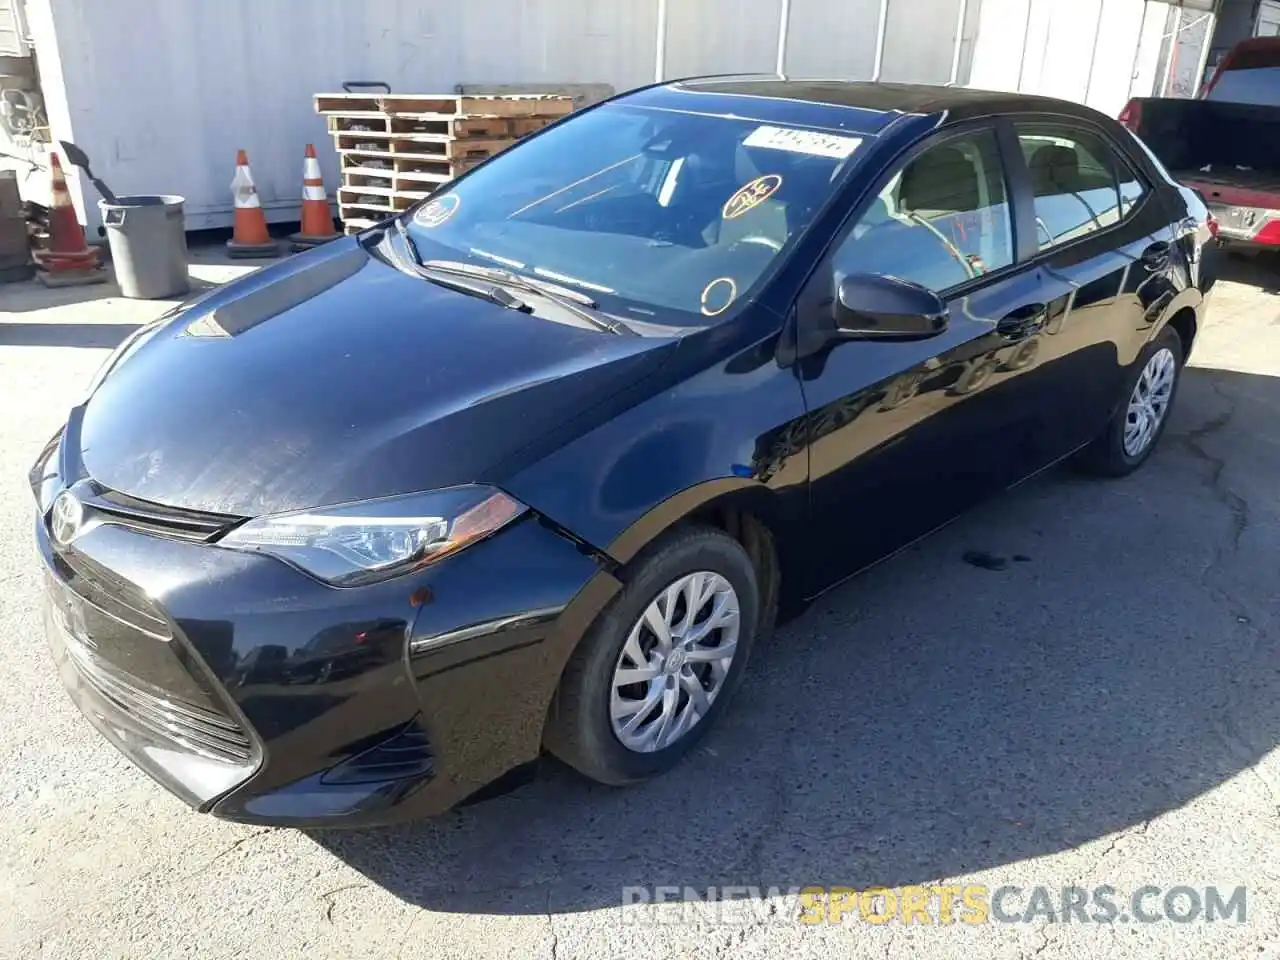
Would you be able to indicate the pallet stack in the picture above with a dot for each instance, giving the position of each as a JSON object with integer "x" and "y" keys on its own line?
{"x": 395, "y": 149}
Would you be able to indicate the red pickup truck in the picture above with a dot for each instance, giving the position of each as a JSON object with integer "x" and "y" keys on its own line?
{"x": 1226, "y": 143}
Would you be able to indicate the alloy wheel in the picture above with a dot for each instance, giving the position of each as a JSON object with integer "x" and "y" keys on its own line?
{"x": 675, "y": 662}
{"x": 1149, "y": 402}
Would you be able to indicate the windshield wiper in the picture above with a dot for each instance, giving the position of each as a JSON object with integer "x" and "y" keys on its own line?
{"x": 457, "y": 281}
{"x": 579, "y": 304}
{"x": 476, "y": 288}
{"x": 509, "y": 276}
{"x": 409, "y": 243}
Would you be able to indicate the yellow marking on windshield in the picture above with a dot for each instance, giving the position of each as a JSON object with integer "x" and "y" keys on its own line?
{"x": 751, "y": 195}
{"x": 590, "y": 176}
{"x": 438, "y": 211}
{"x": 592, "y": 196}
{"x": 713, "y": 311}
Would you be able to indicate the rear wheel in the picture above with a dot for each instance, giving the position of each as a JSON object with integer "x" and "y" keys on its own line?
{"x": 656, "y": 670}
{"x": 1140, "y": 420}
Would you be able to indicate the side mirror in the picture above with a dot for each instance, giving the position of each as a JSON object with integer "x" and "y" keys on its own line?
{"x": 871, "y": 307}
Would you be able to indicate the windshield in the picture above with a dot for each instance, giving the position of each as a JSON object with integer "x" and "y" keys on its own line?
{"x": 658, "y": 214}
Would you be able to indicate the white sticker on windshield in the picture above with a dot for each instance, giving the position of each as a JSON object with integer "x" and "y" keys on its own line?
{"x": 803, "y": 141}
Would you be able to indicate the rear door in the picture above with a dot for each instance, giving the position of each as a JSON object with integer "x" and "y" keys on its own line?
{"x": 905, "y": 435}
{"x": 1105, "y": 251}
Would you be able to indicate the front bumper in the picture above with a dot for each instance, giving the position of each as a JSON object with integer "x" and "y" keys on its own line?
{"x": 258, "y": 694}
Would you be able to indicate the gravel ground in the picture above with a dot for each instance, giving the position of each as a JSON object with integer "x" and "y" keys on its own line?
{"x": 1104, "y": 713}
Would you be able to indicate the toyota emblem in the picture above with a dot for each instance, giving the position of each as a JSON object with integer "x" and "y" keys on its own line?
{"x": 66, "y": 518}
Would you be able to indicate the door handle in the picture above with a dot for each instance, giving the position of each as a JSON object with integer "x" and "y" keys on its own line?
{"x": 1024, "y": 322}
{"x": 1157, "y": 255}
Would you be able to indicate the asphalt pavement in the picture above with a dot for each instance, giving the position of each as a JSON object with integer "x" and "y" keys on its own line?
{"x": 1102, "y": 711}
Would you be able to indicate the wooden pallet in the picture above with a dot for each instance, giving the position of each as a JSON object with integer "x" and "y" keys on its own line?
{"x": 418, "y": 146}
{"x": 394, "y": 150}
{"x": 447, "y": 105}
{"x": 459, "y": 127}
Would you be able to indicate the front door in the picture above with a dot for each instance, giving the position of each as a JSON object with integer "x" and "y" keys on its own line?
{"x": 905, "y": 435}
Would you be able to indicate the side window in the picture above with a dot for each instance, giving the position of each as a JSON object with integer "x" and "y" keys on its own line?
{"x": 942, "y": 220}
{"x": 1131, "y": 189}
{"x": 1073, "y": 175}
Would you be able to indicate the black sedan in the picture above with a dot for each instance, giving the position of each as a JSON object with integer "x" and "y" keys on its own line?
{"x": 535, "y": 465}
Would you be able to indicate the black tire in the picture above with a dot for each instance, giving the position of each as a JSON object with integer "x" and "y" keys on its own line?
{"x": 1106, "y": 456}
{"x": 578, "y": 729}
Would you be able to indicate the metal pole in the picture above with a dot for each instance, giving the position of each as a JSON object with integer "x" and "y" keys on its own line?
{"x": 1093, "y": 53}
{"x": 880, "y": 32}
{"x": 1172, "y": 56}
{"x": 1212, "y": 21}
{"x": 1026, "y": 38}
{"x": 955, "y": 53}
{"x": 784, "y": 21}
{"x": 660, "y": 56}
{"x": 1137, "y": 49}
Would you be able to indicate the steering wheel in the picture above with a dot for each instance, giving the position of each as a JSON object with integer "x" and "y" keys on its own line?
{"x": 769, "y": 242}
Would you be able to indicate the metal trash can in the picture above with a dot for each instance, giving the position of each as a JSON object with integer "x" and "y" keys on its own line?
{"x": 148, "y": 242}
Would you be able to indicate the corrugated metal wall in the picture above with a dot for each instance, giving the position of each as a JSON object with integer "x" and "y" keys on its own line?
{"x": 1099, "y": 52}
{"x": 162, "y": 94}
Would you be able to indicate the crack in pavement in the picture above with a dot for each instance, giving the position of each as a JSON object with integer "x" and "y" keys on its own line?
{"x": 551, "y": 929}
{"x": 229, "y": 850}
{"x": 332, "y": 897}
{"x": 408, "y": 928}
{"x": 1139, "y": 829}
{"x": 1044, "y": 942}
{"x": 1236, "y": 505}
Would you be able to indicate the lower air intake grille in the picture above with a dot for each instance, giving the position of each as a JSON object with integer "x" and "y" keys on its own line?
{"x": 191, "y": 727}
{"x": 405, "y": 756}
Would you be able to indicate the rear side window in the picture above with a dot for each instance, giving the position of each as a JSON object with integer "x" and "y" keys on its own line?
{"x": 1074, "y": 178}
{"x": 1249, "y": 76}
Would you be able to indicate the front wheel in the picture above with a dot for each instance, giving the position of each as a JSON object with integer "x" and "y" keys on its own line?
{"x": 655, "y": 671}
{"x": 1140, "y": 420}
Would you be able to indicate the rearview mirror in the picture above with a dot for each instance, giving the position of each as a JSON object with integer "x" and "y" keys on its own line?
{"x": 874, "y": 307}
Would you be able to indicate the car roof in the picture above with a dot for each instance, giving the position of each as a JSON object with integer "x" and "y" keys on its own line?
{"x": 885, "y": 101}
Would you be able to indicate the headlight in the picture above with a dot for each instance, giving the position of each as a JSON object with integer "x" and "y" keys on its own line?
{"x": 359, "y": 543}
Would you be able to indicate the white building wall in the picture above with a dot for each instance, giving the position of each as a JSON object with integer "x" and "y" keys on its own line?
{"x": 1099, "y": 52}
{"x": 722, "y": 36}
{"x": 162, "y": 94}
{"x": 826, "y": 39}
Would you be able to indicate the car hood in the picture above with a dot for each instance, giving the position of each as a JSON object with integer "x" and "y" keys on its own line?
{"x": 335, "y": 376}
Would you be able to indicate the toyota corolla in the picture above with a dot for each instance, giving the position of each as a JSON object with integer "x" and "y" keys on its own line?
{"x": 534, "y": 466}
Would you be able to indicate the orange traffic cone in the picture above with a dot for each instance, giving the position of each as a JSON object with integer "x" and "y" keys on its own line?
{"x": 317, "y": 220}
{"x": 67, "y": 260}
{"x": 249, "y": 237}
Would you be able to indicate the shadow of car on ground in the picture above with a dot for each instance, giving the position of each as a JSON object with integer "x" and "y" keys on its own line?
{"x": 930, "y": 718}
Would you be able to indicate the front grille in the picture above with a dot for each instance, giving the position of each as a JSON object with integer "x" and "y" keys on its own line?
{"x": 123, "y": 646}
{"x": 110, "y": 596}
{"x": 122, "y": 510}
{"x": 194, "y": 728}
